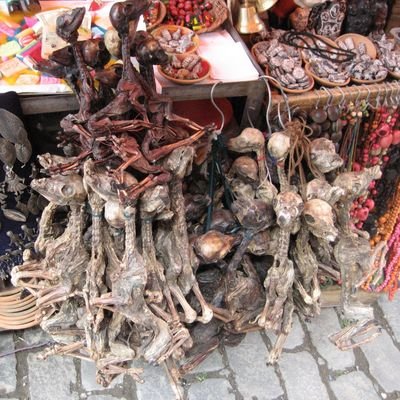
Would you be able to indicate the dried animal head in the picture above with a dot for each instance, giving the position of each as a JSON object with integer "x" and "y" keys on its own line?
{"x": 114, "y": 214}
{"x": 180, "y": 161}
{"x": 99, "y": 181}
{"x": 250, "y": 139}
{"x": 323, "y": 155}
{"x": 265, "y": 242}
{"x": 95, "y": 53}
{"x": 320, "y": 189}
{"x": 245, "y": 168}
{"x": 61, "y": 190}
{"x": 279, "y": 145}
{"x": 48, "y": 161}
{"x": 266, "y": 192}
{"x": 64, "y": 56}
{"x": 155, "y": 200}
{"x": 318, "y": 215}
{"x": 253, "y": 214}
{"x": 110, "y": 76}
{"x": 355, "y": 184}
{"x": 288, "y": 206}
{"x": 68, "y": 23}
{"x": 223, "y": 220}
{"x": 122, "y": 13}
{"x": 213, "y": 246}
{"x": 241, "y": 189}
{"x": 148, "y": 50}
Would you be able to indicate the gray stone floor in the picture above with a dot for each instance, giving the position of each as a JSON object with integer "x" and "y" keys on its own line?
{"x": 311, "y": 368}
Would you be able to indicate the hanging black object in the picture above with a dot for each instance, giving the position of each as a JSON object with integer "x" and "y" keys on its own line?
{"x": 360, "y": 16}
{"x": 308, "y": 41}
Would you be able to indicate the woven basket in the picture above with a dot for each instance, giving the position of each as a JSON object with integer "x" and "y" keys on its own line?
{"x": 220, "y": 14}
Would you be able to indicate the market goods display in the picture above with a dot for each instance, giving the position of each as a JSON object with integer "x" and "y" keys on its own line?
{"x": 283, "y": 63}
{"x": 176, "y": 39}
{"x": 328, "y": 72}
{"x": 199, "y": 15}
{"x": 389, "y": 54}
{"x": 364, "y": 68}
{"x": 157, "y": 228}
{"x": 186, "y": 69}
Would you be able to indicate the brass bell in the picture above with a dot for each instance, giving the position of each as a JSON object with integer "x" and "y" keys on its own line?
{"x": 249, "y": 21}
{"x": 264, "y": 5}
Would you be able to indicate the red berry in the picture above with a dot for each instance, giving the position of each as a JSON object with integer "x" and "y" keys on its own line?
{"x": 182, "y": 12}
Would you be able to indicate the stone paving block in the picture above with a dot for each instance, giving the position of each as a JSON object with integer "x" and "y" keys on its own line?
{"x": 212, "y": 363}
{"x": 104, "y": 397}
{"x": 301, "y": 377}
{"x": 253, "y": 376}
{"x": 295, "y": 338}
{"x": 211, "y": 389}
{"x": 320, "y": 328}
{"x": 354, "y": 385}
{"x": 88, "y": 376}
{"x": 392, "y": 313}
{"x": 51, "y": 378}
{"x": 384, "y": 360}
{"x": 35, "y": 336}
{"x": 8, "y": 364}
{"x": 156, "y": 385}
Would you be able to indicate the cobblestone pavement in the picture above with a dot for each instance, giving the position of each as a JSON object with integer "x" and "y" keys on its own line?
{"x": 311, "y": 368}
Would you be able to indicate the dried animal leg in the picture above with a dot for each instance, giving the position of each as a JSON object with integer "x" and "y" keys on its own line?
{"x": 287, "y": 322}
{"x": 107, "y": 368}
{"x": 45, "y": 228}
{"x": 178, "y": 164}
{"x": 153, "y": 202}
{"x": 128, "y": 293}
{"x": 307, "y": 264}
{"x": 361, "y": 332}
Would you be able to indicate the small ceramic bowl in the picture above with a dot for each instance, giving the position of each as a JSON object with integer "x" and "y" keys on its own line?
{"x": 172, "y": 29}
{"x": 204, "y": 73}
{"x": 322, "y": 81}
{"x": 371, "y": 49}
{"x": 292, "y": 91}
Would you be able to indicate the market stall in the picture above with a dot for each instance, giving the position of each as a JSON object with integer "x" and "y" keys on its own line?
{"x": 156, "y": 234}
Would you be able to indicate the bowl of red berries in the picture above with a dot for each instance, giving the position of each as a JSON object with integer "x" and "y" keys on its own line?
{"x": 198, "y": 15}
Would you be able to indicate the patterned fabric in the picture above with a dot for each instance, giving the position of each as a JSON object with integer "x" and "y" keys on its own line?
{"x": 327, "y": 18}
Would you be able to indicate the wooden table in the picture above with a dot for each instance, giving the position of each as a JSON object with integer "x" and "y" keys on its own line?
{"x": 253, "y": 90}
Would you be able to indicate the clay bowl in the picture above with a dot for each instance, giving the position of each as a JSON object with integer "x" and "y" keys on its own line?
{"x": 161, "y": 15}
{"x": 365, "y": 82}
{"x": 204, "y": 73}
{"x": 371, "y": 49}
{"x": 395, "y": 75}
{"x": 173, "y": 28}
{"x": 261, "y": 44}
{"x": 253, "y": 51}
{"x": 322, "y": 38}
{"x": 322, "y": 81}
{"x": 292, "y": 91}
